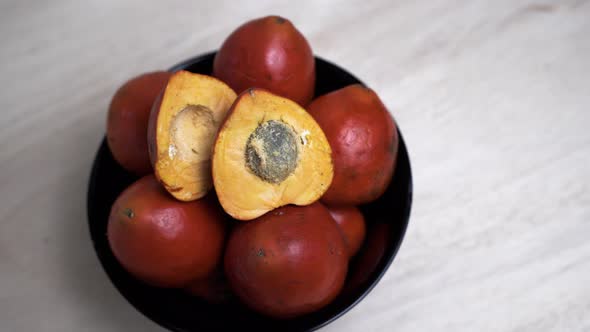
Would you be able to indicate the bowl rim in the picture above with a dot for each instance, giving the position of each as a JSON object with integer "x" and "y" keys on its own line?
{"x": 391, "y": 253}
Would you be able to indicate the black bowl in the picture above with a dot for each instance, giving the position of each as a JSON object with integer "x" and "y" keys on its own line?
{"x": 387, "y": 219}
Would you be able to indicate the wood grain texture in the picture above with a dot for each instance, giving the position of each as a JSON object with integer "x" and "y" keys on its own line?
{"x": 493, "y": 99}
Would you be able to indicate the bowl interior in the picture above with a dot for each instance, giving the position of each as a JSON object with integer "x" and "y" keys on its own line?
{"x": 387, "y": 219}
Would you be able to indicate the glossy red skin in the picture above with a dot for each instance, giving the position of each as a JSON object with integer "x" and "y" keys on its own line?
{"x": 213, "y": 289}
{"x": 289, "y": 262}
{"x": 127, "y": 120}
{"x": 364, "y": 142}
{"x": 352, "y": 225}
{"x": 268, "y": 53}
{"x": 165, "y": 242}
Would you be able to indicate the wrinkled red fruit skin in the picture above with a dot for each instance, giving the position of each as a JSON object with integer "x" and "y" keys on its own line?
{"x": 162, "y": 241}
{"x": 289, "y": 262}
{"x": 268, "y": 53}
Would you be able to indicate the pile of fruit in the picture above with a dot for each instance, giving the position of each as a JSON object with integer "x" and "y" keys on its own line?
{"x": 288, "y": 172}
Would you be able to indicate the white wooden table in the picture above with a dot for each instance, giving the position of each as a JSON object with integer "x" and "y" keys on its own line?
{"x": 493, "y": 98}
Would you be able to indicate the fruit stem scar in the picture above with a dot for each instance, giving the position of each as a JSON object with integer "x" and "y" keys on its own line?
{"x": 261, "y": 253}
{"x": 128, "y": 213}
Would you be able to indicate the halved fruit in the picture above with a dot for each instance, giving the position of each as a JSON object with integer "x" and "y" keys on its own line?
{"x": 269, "y": 152}
{"x": 182, "y": 129}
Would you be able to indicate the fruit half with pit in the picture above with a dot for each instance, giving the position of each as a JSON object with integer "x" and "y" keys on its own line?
{"x": 268, "y": 53}
{"x": 351, "y": 222}
{"x": 128, "y": 117}
{"x": 163, "y": 241}
{"x": 364, "y": 142}
{"x": 287, "y": 263}
{"x": 182, "y": 128}
{"x": 269, "y": 152}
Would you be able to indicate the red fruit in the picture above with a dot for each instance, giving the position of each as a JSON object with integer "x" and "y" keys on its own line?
{"x": 268, "y": 53}
{"x": 364, "y": 144}
{"x": 213, "y": 289}
{"x": 368, "y": 259}
{"x": 162, "y": 241}
{"x": 352, "y": 224}
{"x": 289, "y": 262}
{"x": 128, "y": 118}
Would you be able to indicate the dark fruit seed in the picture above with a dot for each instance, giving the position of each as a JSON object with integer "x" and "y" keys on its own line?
{"x": 271, "y": 151}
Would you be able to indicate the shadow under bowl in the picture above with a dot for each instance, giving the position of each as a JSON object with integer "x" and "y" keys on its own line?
{"x": 387, "y": 220}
